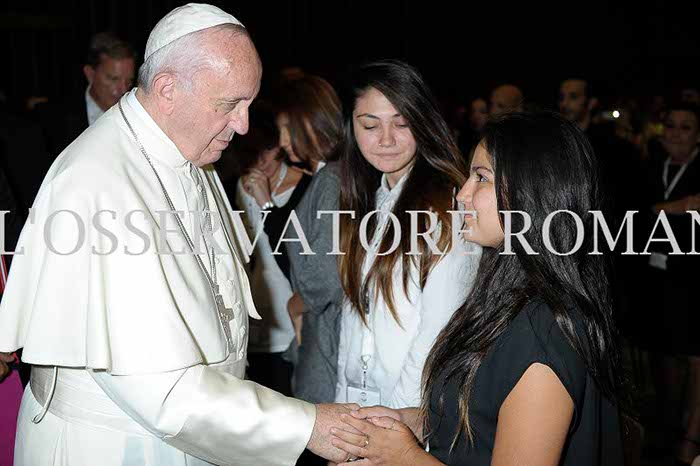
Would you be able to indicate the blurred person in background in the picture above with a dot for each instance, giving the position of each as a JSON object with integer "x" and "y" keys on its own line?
{"x": 622, "y": 179}
{"x": 670, "y": 321}
{"x": 470, "y": 134}
{"x": 10, "y": 382}
{"x": 310, "y": 125}
{"x": 309, "y": 120}
{"x": 109, "y": 71}
{"x": 505, "y": 98}
{"x": 267, "y": 182}
{"x": 35, "y": 142}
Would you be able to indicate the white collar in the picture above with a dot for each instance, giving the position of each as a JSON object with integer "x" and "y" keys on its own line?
{"x": 93, "y": 110}
{"x": 384, "y": 185}
{"x": 163, "y": 147}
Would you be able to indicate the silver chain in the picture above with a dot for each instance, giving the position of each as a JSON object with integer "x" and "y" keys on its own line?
{"x": 190, "y": 243}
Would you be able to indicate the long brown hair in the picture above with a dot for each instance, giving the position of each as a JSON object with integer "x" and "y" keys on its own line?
{"x": 315, "y": 118}
{"x": 438, "y": 167}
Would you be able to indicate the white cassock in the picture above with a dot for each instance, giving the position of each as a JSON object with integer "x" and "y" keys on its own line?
{"x": 144, "y": 372}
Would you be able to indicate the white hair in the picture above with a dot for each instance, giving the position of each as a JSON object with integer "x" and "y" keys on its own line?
{"x": 183, "y": 58}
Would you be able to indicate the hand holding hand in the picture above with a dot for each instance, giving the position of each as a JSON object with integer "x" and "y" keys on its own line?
{"x": 327, "y": 417}
{"x": 381, "y": 441}
{"x": 408, "y": 416}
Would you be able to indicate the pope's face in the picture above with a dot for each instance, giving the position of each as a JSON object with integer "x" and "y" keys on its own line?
{"x": 217, "y": 107}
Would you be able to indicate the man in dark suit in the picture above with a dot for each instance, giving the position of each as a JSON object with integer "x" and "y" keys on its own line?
{"x": 30, "y": 145}
{"x": 109, "y": 71}
{"x": 622, "y": 176}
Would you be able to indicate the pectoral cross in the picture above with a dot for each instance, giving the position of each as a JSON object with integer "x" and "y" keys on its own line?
{"x": 225, "y": 316}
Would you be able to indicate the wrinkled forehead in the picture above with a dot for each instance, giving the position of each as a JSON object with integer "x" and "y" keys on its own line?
{"x": 237, "y": 71}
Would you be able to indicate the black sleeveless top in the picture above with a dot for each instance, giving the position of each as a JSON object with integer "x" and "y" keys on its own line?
{"x": 532, "y": 337}
{"x": 277, "y": 219}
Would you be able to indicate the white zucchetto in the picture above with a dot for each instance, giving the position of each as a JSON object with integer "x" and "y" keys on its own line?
{"x": 184, "y": 20}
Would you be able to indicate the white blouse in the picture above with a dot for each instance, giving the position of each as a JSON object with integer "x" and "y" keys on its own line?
{"x": 398, "y": 352}
{"x": 270, "y": 288}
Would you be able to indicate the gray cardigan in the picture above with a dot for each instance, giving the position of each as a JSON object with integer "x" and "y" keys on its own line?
{"x": 316, "y": 279}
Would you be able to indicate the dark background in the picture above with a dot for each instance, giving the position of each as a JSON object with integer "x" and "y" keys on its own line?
{"x": 463, "y": 48}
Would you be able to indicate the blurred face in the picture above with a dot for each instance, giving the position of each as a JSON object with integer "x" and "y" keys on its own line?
{"x": 478, "y": 114}
{"x": 383, "y": 135}
{"x": 206, "y": 118}
{"x": 573, "y": 103}
{"x": 269, "y": 162}
{"x": 479, "y": 194}
{"x": 680, "y": 134}
{"x": 286, "y": 138}
{"x": 506, "y": 98}
{"x": 109, "y": 80}
{"x": 690, "y": 95}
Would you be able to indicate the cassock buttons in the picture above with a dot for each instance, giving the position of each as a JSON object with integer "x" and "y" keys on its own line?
{"x": 229, "y": 282}
{"x": 241, "y": 331}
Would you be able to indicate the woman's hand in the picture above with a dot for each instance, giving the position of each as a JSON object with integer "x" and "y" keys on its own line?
{"x": 257, "y": 185}
{"x": 5, "y": 360}
{"x": 408, "y": 416}
{"x": 383, "y": 441}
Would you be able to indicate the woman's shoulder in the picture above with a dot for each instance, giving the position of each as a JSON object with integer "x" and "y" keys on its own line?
{"x": 535, "y": 336}
{"x": 330, "y": 172}
{"x": 536, "y": 325}
{"x": 327, "y": 180}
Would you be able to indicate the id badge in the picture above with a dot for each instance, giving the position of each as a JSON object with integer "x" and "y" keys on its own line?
{"x": 364, "y": 396}
{"x": 658, "y": 261}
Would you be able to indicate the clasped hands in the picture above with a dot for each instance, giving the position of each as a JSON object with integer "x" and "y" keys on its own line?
{"x": 367, "y": 436}
{"x": 257, "y": 184}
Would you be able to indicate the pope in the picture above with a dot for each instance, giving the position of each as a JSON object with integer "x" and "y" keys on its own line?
{"x": 129, "y": 296}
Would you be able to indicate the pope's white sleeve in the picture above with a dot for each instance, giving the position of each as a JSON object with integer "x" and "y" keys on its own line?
{"x": 214, "y": 415}
{"x": 445, "y": 290}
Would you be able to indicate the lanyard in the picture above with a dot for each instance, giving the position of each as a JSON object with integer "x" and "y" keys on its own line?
{"x": 367, "y": 342}
{"x": 668, "y": 188}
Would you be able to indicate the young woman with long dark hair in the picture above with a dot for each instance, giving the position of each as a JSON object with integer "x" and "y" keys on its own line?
{"x": 397, "y": 157}
{"x": 528, "y": 370}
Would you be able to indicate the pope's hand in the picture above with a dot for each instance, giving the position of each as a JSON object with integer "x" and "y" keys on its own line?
{"x": 328, "y": 417}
